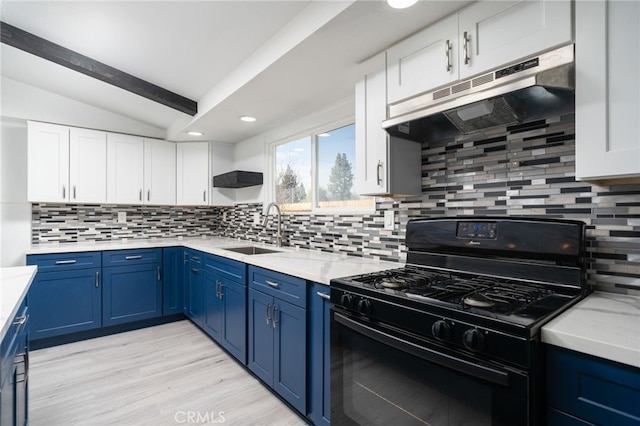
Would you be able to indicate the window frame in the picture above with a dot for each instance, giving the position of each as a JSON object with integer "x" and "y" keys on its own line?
{"x": 313, "y": 132}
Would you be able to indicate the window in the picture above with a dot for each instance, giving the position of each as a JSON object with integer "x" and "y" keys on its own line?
{"x": 317, "y": 172}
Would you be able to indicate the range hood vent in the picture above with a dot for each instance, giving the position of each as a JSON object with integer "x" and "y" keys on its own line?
{"x": 536, "y": 88}
{"x": 237, "y": 179}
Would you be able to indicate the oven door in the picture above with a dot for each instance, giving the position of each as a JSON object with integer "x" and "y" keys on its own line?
{"x": 383, "y": 376}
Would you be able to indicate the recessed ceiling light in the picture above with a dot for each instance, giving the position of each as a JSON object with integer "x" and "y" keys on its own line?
{"x": 194, "y": 133}
{"x": 247, "y": 118}
{"x": 401, "y": 4}
{"x": 324, "y": 135}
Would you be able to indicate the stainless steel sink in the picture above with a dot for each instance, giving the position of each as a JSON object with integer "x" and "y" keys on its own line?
{"x": 251, "y": 250}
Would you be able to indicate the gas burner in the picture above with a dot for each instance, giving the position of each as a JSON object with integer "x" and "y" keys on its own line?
{"x": 395, "y": 283}
{"x": 478, "y": 301}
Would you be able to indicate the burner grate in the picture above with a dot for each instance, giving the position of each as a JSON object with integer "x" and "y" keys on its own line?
{"x": 484, "y": 293}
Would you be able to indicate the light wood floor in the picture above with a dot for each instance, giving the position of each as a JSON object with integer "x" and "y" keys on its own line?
{"x": 165, "y": 375}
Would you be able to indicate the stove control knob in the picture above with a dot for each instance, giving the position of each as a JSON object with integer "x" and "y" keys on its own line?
{"x": 441, "y": 330}
{"x": 347, "y": 301}
{"x": 364, "y": 307}
{"x": 473, "y": 339}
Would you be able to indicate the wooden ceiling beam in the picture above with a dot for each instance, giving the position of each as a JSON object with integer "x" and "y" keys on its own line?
{"x": 45, "y": 49}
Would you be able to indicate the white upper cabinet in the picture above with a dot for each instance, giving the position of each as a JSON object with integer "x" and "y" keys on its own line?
{"x": 87, "y": 166}
{"x": 47, "y": 162}
{"x": 424, "y": 61}
{"x": 125, "y": 169}
{"x": 383, "y": 166}
{"x": 159, "y": 172}
{"x": 192, "y": 168}
{"x": 371, "y": 138}
{"x": 607, "y": 89}
{"x": 499, "y": 32}
{"x": 482, "y": 36}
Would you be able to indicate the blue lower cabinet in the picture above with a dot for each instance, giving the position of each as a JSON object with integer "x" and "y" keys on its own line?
{"x": 195, "y": 290}
{"x": 66, "y": 294}
{"x": 234, "y": 327}
{"x": 319, "y": 408}
{"x": 14, "y": 371}
{"x": 585, "y": 390}
{"x": 277, "y": 346}
{"x": 172, "y": 280}
{"x": 132, "y": 285}
{"x": 214, "y": 308}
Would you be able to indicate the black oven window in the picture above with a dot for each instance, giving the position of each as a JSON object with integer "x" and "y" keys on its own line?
{"x": 383, "y": 386}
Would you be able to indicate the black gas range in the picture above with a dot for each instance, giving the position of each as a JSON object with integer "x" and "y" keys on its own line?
{"x": 475, "y": 291}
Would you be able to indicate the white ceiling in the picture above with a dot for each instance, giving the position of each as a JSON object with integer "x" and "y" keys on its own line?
{"x": 276, "y": 60}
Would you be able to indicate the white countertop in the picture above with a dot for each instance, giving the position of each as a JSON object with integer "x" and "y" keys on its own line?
{"x": 311, "y": 265}
{"x": 14, "y": 284}
{"x": 606, "y": 325}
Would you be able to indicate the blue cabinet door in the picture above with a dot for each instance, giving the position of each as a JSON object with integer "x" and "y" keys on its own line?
{"x": 319, "y": 364}
{"x": 261, "y": 340}
{"x": 195, "y": 290}
{"x": 234, "y": 328}
{"x": 172, "y": 280}
{"x": 214, "y": 309}
{"x": 131, "y": 293}
{"x": 290, "y": 356}
{"x": 589, "y": 389}
{"x": 65, "y": 302}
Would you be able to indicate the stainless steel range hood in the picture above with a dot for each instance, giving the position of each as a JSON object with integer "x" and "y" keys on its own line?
{"x": 532, "y": 89}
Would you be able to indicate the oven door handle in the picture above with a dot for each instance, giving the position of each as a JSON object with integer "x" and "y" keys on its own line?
{"x": 480, "y": 371}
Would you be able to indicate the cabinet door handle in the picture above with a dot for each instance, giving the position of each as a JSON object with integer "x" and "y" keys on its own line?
{"x": 97, "y": 279}
{"x": 272, "y": 284}
{"x": 132, "y": 257}
{"x": 323, "y": 295}
{"x": 64, "y": 192}
{"x": 194, "y": 270}
{"x": 196, "y": 258}
{"x": 274, "y": 321}
{"x": 378, "y": 169}
{"x": 20, "y": 320}
{"x": 268, "y": 313}
{"x": 204, "y": 196}
{"x": 159, "y": 274}
{"x": 140, "y": 195}
{"x": 447, "y": 53}
{"x": 65, "y": 262}
{"x": 74, "y": 192}
{"x": 185, "y": 257}
{"x": 217, "y": 289}
{"x": 465, "y": 47}
{"x": 221, "y": 294}
{"x": 149, "y": 195}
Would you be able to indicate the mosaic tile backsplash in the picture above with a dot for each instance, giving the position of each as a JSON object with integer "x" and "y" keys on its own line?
{"x": 523, "y": 170}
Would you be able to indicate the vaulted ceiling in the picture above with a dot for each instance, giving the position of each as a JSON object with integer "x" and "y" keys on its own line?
{"x": 275, "y": 60}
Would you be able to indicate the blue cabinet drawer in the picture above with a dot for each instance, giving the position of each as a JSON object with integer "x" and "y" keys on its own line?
{"x": 592, "y": 389}
{"x": 282, "y": 286}
{"x": 131, "y": 257}
{"x": 65, "y": 261}
{"x": 227, "y": 268}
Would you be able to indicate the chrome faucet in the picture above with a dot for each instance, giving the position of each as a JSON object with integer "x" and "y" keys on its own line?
{"x": 266, "y": 216}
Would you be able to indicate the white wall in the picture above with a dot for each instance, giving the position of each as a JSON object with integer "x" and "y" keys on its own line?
{"x": 15, "y": 211}
{"x": 251, "y": 154}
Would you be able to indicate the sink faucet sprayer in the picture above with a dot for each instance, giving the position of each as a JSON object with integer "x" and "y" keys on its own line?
{"x": 266, "y": 216}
